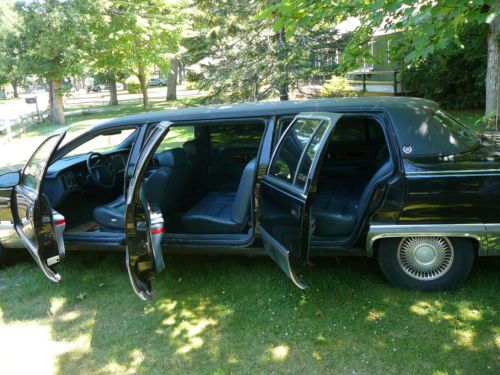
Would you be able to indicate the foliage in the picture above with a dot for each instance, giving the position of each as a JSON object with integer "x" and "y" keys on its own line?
{"x": 243, "y": 58}
{"x": 145, "y": 35}
{"x": 10, "y": 45}
{"x": 337, "y": 86}
{"x": 54, "y": 35}
{"x": 427, "y": 26}
{"x": 133, "y": 85}
{"x": 441, "y": 77}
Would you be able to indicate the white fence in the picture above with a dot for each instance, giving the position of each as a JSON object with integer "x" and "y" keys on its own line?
{"x": 11, "y": 128}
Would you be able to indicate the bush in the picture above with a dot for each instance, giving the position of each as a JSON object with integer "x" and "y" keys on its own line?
{"x": 454, "y": 77}
{"x": 338, "y": 87}
{"x": 133, "y": 85}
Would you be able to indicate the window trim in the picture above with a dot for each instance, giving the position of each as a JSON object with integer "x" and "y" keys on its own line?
{"x": 307, "y": 115}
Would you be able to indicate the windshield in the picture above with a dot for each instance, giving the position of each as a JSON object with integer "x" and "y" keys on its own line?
{"x": 460, "y": 135}
{"x": 103, "y": 143}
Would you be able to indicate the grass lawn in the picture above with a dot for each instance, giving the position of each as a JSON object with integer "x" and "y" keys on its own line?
{"x": 223, "y": 315}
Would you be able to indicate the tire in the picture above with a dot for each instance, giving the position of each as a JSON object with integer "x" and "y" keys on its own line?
{"x": 426, "y": 271}
{"x": 9, "y": 256}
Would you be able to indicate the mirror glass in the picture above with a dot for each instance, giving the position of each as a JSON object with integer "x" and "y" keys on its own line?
{"x": 10, "y": 179}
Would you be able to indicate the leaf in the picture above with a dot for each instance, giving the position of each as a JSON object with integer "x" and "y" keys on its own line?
{"x": 81, "y": 296}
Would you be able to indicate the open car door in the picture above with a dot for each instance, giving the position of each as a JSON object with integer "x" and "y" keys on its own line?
{"x": 144, "y": 222}
{"x": 37, "y": 224}
{"x": 288, "y": 188}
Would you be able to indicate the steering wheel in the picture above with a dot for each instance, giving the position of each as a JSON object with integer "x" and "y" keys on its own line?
{"x": 101, "y": 170}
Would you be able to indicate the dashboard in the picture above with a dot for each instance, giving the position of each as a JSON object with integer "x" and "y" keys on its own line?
{"x": 70, "y": 175}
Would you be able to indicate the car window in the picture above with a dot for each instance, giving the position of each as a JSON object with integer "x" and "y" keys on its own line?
{"x": 103, "y": 142}
{"x": 176, "y": 137}
{"x": 349, "y": 130}
{"x": 459, "y": 133}
{"x": 291, "y": 148}
{"x": 33, "y": 171}
{"x": 307, "y": 159}
{"x": 242, "y": 135}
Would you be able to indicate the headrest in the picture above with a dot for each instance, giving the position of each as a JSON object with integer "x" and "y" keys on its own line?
{"x": 173, "y": 158}
{"x": 190, "y": 147}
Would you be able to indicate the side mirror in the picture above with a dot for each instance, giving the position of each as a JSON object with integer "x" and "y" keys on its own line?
{"x": 10, "y": 179}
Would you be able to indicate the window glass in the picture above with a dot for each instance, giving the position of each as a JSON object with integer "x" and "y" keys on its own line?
{"x": 309, "y": 155}
{"x": 103, "y": 142}
{"x": 349, "y": 129}
{"x": 33, "y": 171}
{"x": 460, "y": 135}
{"x": 292, "y": 147}
{"x": 243, "y": 135}
{"x": 176, "y": 137}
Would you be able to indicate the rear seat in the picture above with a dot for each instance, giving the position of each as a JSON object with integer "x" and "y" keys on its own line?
{"x": 334, "y": 207}
{"x": 221, "y": 212}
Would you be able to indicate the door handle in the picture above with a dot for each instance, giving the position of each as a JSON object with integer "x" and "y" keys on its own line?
{"x": 295, "y": 211}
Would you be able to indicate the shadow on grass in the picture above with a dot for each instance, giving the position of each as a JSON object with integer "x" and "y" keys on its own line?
{"x": 238, "y": 315}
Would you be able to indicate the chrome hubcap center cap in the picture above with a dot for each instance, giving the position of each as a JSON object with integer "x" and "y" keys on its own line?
{"x": 425, "y": 258}
{"x": 425, "y": 254}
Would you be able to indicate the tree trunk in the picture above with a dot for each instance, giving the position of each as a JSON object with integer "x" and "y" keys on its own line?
{"x": 14, "y": 88}
{"x": 144, "y": 86}
{"x": 172, "y": 80}
{"x": 284, "y": 92}
{"x": 51, "y": 97}
{"x": 57, "y": 109}
{"x": 282, "y": 63}
{"x": 493, "y": 70}
{"x": 113, "y": 96}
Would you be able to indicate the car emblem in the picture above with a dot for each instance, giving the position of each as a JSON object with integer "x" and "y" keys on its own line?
{"x": 407, "y": 149}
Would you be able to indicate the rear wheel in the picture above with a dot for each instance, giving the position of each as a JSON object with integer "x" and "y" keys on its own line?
{"x": 426, "y": 263}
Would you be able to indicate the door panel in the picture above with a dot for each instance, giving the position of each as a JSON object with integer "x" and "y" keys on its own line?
{"x": 287, "y": 190}
{"x": 37, "y": 224}
{"x": 144, "y": 225}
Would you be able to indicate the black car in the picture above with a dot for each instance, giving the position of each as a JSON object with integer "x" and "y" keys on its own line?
{"x": 393, "y": 178}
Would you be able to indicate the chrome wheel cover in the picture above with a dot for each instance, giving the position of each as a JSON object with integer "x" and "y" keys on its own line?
{"x": 425, "y": 258}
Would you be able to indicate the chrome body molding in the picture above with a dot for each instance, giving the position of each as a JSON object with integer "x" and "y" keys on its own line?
{"x": 487, "y": 235}
{"x": 455, "y": 172}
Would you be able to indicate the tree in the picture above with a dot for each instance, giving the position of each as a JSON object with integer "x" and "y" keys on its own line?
{"x": 243, "y": 58}
{"x": 10, "y": 47}
{"x": 427, "y": 26}
{"x": 147, "y": 33}
{"x": 54, "y": 34}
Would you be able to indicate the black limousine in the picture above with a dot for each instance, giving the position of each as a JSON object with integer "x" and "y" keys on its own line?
{"x": 393, "y": 178}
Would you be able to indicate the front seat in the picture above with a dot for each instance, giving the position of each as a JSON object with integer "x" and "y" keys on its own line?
{"x": 223, "y": 212}
{"x": 163, "y": 189}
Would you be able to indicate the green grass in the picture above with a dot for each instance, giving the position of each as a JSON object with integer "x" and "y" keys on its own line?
{"x": 223, "y": 315}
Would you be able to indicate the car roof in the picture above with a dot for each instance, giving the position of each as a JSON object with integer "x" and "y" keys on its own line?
{"x": 412, "y": 119}
{"x": 387, "y": 103}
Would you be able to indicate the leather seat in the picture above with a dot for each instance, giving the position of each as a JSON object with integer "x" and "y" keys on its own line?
{"x": 163, "y": 189}
{"x": 198, "y": 158}
{"x": 339, "y": 205}
{"x": 223, "y": 212}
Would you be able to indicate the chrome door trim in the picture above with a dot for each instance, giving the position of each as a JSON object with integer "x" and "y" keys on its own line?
{"x": 475, "y": 231}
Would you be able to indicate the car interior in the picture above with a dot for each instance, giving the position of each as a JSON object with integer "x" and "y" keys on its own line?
{"x": 356, "y": 159}
{"x": 202, "y": 179}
